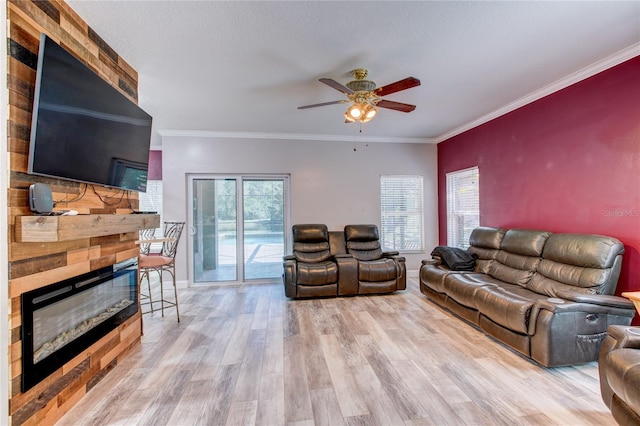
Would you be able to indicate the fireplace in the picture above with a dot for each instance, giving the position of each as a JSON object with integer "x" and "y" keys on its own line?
{"x": 63, "y": 319}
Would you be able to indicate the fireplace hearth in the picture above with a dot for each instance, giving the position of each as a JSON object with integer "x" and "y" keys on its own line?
{"x": 63, "y": 319}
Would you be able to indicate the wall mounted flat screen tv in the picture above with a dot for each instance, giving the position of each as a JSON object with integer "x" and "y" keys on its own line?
{"x": 83, "y": 129}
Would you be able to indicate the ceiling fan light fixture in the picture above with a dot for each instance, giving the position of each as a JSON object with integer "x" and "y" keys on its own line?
{"x": 355, "y": 111}
{"x": 370, "y": 113}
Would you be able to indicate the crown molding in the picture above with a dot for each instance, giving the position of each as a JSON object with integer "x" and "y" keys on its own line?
{"x": 593, "y": 69}
{"x": 288, "y": 136}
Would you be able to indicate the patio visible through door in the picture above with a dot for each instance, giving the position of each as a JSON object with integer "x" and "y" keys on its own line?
{"x": 237, "y": 227}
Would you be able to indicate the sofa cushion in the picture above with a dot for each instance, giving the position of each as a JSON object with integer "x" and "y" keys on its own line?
{"x": 311, "y": 243}
{"x": 462, "y": 287}
{"x": 433, "y": 276}
{"x": 363, "y": 241}
{"x": 553, "y": 277}
{"x": 311, "y": 252}
{"x": 526, "y": 242}
{"x": 486, "y": 237}
{"x": 377, "y": 270}
{"x": 313, "y": 274}
{"x": 364, "y": 250}
{"x": 485, "y": 242}
{"x": 507, "y": 305}
{"x": 588, "y": 251}
{"x": 513, "y": 268}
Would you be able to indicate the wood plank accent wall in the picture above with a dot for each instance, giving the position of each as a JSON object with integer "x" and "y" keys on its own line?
{"x": 37, "y": 264}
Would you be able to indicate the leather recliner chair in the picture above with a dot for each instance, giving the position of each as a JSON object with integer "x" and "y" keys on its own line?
{"x": 619, "y": 368}
{"x": 377, "y": 271}
{"x": 311, "y": 270}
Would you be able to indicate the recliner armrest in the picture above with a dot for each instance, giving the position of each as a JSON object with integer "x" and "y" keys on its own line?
{"x": 625, "y": 336}
{"x": 288, "y": 257}
{"x": 431, "y": 262}
{"x": 390, "y": 253}
{"x": 598, "y": 299}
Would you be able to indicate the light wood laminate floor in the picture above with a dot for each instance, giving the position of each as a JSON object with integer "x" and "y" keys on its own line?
{"x": 247, "y": 355}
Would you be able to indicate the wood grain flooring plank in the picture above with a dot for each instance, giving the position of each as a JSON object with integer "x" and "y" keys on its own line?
{"x": 216, "y": 348}
{"x": 271, "y": 402}
{"x": 437, "y": 408}
{"x": 238, "y": 341}
{"x": 297, "y": 405}
{"x": 344, "y": 384}
{"x": 195, "y": 397}
{"x": 318, "y": 376}
{"x": 326, "y": 409}
{"x": 274, "y": 347}
{"x": 242, "y": 413}
{"x": 381, "y": 407}
{"x": 161, "y": 408}
{"x": 406, "y": 403}
{"x": 384, "y": 342}
{"x": 261, "y": 314}
{"x": 220, "y": 394}
{"x": 291, "y": 325}
{"x": 348, "y": 342}
{"x": 248, "y": 386}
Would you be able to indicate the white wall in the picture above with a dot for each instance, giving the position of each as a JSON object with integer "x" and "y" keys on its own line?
{"x": 330, "y": 183}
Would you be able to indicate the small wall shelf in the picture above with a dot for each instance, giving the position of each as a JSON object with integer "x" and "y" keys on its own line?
{"x": 42, "y": 229}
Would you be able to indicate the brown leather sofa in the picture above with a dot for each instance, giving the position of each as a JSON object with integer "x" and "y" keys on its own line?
{"x": 619, "y": 368}
{"x": 340, "y": 263}
{"x": 548, "y": 296}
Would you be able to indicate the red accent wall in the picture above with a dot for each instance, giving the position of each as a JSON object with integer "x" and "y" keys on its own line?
{"x": 155, "y": 165}
{"x": 569, "y": 162}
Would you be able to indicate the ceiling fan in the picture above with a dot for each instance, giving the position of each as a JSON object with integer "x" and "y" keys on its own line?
{"x": 366, "y": 97}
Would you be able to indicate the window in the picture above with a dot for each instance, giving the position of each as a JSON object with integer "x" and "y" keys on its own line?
{"x": 151, "y": 201}
{"x": 463, "y": 206}
{"x": 401, "y": 210}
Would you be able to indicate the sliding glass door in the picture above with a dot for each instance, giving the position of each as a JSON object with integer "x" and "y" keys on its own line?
{"x": 237, "y": 227}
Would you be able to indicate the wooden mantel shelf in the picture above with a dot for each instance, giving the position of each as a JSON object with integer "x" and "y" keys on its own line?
{"x": 43, "y": 229}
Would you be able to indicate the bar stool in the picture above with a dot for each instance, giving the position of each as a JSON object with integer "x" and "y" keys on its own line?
{"x": 160, "y": 262}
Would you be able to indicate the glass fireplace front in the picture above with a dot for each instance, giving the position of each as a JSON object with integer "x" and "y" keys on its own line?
{"x": 61, "y": 320}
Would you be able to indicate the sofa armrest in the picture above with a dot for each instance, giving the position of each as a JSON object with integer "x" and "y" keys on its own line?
{"x": 390, "y": 253}
{"x": 618, "y": 337}
{"x": 624, "y": 336}
{"x": 347, "y": 274}
{"x": 598, "y": 299}
{"x": 290, "y": 276}
{"x": 288, "y": 257}
{"x": 432, "y": 262}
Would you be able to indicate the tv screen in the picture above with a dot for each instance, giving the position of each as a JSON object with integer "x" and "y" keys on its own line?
{"x": 83, "y": 129}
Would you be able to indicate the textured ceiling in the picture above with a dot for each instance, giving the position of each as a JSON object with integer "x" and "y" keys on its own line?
{"x": 246, "y": 66}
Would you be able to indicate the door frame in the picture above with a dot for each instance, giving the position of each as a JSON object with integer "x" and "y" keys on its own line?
{"x": 240, "y": 178}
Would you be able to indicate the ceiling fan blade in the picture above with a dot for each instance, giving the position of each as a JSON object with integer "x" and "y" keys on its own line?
{"x": 398, "y": 106}
{"x": 332, "y": 83}
{"x": 322, "y": 104}
{"x": 405, "y": 84}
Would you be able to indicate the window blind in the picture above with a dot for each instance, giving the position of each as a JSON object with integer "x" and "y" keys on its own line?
{"x": 151, "y": 201}
{"x": 463, "y": 206}
{"x": 401, "y": 208}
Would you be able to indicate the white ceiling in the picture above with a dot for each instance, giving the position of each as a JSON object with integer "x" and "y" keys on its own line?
{"x": 239, "y": 66}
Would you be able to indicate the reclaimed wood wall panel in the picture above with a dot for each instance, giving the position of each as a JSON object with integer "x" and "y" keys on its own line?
{"x": 36, "y": 264}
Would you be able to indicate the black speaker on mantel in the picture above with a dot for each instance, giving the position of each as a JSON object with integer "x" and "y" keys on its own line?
{"x": 40, "y": 198}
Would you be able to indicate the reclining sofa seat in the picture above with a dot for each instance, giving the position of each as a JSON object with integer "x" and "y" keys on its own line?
{"x": 377, "y": 271}
{"x": 311, "y": 270}
{"x": 546, "y": 295}
{"x": 322, "y": 265}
